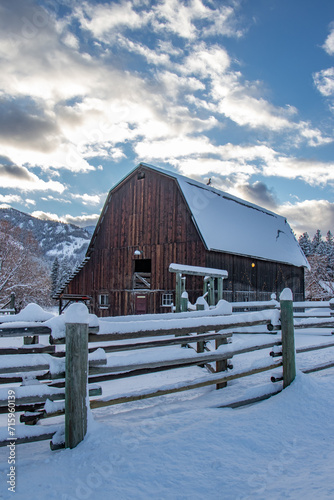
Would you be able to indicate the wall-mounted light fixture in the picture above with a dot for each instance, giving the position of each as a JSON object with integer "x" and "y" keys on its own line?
{"x": 138, "y": 252}
{"x": 253, "y": 264}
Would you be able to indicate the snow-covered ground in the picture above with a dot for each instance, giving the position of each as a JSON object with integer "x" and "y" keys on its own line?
{"x": 183, "y": 446}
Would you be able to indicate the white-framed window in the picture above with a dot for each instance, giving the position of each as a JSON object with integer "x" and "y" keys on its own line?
{"x": 167, "y": 299}
{"x": 103, "y": 300}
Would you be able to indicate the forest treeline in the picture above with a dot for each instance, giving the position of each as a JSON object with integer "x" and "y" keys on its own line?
{"x": 319, "y": 251}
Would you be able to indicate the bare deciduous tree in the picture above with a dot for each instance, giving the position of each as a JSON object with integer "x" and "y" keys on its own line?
{"x": 319, "y": 282}
{"x": 22, "y": 269}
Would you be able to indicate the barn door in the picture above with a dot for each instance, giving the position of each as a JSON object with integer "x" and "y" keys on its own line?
{"x": 140, "y": 304}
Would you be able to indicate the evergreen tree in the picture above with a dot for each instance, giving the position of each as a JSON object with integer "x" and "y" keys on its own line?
{"x": 330, "y": 253}
{"x": 330, "y": 245}
{"x": 317, "y": 238}
{"x": 319, "y": 280}
{"x": 305, "y": 244}
{"x": 65, "y": 270}
{"x": 330, "y": 239}
{"x": 54, "y": 276}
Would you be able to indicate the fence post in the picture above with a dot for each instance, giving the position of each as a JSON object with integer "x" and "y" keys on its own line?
{"x": 220, "y": 289}
{"x": 178, "y": 292}
{"x": 331, "y": 305}
{"x": 76, "y": 373}
{"x": 184, "y": 302}
{"x": 212, "y": 292}
{"x": 288, "y": 337}
{"x": 221, "y": 366}
{"x": 12, "y": 302}
{"x": 200, "y": 307}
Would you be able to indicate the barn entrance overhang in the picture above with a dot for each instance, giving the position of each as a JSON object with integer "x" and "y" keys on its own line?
{"x": 210, "y": 275}
{"x": 65, "y": 299}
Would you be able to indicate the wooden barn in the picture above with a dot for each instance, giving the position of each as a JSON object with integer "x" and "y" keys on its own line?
{"x": 154, "y": 217}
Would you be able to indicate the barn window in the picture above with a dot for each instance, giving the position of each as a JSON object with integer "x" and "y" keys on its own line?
{"x": 167, "y": 299}
{"x": 103, "y": 300}
{"x": 143, "y": 266}
{"x": 141, "y": 175}
{"x": 142, "y": 273}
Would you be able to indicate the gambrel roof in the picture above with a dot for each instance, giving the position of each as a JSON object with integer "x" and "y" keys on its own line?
{"x": 232, "y": 225}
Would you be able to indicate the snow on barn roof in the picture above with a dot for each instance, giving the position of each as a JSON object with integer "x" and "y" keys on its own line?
{"x": 232, "y": 225}
{"x": 229, "y": 224}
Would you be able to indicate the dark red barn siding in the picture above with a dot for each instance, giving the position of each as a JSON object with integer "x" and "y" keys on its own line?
{"x": 147, "y": 212}
{"x": 255, "y": 279}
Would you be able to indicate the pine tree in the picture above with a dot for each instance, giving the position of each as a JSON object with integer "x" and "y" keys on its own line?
{"x": 329, "y": 245}
{"x": 330, "y": 253}
{"x": 330, "y": 239}
{"x": 317, "y": 238}
{"x": 65, "y": 270}
{"x": 54, "y": 276}
{"x": 305, "y": 244}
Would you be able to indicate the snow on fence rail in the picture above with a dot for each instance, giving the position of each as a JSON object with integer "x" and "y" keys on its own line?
{"x": 90, "y": 364}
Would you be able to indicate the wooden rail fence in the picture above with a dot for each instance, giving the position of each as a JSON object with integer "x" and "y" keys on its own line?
{"x": 66, "y": 383}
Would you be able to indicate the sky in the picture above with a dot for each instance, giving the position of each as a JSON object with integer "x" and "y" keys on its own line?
{"x": 239, "y": 91}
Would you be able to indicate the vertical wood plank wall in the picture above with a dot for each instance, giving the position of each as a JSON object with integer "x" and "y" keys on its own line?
{"x": 149, "y": 214}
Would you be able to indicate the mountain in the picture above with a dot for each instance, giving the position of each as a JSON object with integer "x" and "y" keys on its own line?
{"x": 90, "y": 229}
{"x": 56, "y": 239}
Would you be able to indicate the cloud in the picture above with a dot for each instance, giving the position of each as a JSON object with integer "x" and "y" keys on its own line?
{"x": 309, "y": 215}
{"x": 259, "y": 193}
{"x": 174, "y": 148}
{"x": 324, "y": 81}
{"x": 255, "y": 113}
{"x": 155, "y": 57}
{"x": 39, "y": 214}
{"x": 25, "y": 124}
{"x": 81, "y": 220}
{"x": 189, "y": 19}
{"x": 102, "y": 19}
{"x": 28, "y": 202}
{"x": 311, "y": 171}
{"x": 200, "y": 157}
{"x": 241, "y": 101}
{"x": 10, "y": 170}
{"x": 88, "y": 199}
{"x": 10, "y": 198}
{"x": 174, "y": 17}
{"x": 18, "y": 177}
{"x": 206, "y": 61}
{"x": 203, "y": 167}
{"x": 82, "y": 103}
{"x": 328, "y": 46}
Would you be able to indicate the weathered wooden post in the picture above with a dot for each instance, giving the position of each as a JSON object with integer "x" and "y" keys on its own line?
{"x": 12, "y": 303}
{"x": 221, "y": 366}
{"x": 200, "y": 307}
{"x": 184, "y": 306}
{"x": 178, "y": 292}
{"x": 76, "y": 373}
{"x": 212, "y": 291}
{"x": 220, "y": 289}
{"x": 288, "y": 337}
{"x": 184, "y": 302}
{"x": 206, "y": 287}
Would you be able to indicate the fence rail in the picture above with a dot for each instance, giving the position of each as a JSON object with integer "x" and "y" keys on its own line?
{"x": 89, "y": 365}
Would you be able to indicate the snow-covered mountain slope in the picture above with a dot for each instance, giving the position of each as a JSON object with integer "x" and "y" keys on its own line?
{"x": 56, "y": 239}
